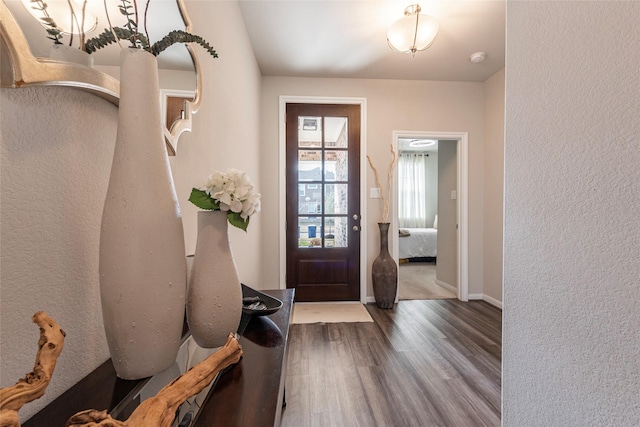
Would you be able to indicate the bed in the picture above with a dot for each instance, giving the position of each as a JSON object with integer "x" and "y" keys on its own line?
{"x": 417, "y": 242}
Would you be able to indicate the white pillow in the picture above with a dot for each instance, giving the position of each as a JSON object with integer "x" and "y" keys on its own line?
{"x": 435, "y": 223}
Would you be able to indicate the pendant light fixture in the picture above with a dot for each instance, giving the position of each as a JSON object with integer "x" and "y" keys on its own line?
{"x": 415, "y": 32}
{"x": 422, "y": 143}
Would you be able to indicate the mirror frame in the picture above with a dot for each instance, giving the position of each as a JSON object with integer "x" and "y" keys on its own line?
{"x": 19, "y": 68}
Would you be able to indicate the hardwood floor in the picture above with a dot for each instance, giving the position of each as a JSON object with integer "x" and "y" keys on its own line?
{"x": 424, "y": 363}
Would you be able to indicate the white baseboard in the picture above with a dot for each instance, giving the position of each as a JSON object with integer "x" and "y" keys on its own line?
{"x": 328, "y": 302}
{"x": 446, "y": 286}
{"x": 492, "y": 301}
{"x": 486, "y": 298}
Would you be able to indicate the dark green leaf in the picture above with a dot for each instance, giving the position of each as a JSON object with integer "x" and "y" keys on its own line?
{"x": 202, "y": 200}
{"x": 236, "y": 220}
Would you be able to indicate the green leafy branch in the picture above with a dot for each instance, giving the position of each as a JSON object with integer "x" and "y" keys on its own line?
{"x": 203, "y": 200}
{"x": 53, "y": 31}
{"x": 131, "y": 32}
{"x": 108, "y": 37}
{"x": 131, "y": 23}
{"x": 179, "y": 36}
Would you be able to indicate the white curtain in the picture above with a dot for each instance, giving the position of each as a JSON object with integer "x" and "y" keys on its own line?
{"x": 412, "y": 196}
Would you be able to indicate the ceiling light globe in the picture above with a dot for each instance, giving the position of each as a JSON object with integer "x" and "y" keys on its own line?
{"x": 412, "y": 33}
{"x": 421, "y": 143}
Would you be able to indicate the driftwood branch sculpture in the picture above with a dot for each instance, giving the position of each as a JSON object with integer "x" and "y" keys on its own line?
{"x": 160, "y": 410}
{"x": 383, "y": 196}
{"x": 34, "y": 384}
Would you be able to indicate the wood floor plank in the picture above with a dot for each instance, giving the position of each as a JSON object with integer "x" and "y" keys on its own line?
{"x": 423, "y": 363}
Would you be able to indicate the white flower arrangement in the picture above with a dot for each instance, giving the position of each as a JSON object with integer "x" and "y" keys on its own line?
{"x": 232, "y": 192}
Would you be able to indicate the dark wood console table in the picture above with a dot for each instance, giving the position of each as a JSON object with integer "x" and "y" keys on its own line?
{"x": 250, "y": 394}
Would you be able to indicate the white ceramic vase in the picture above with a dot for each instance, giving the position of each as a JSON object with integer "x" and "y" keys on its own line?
{"x": 214, "y": 297}
{"x": 64, "y": 53}
{"x": 142, "y": 253}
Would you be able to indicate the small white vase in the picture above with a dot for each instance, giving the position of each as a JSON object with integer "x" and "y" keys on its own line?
{"x": 64, "y": 53}
{"x": 214, "y": 296}
{"x": 143, "y": 269}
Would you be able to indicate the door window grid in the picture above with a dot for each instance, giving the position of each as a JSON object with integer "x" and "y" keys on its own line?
{"x": 322, "y": 207}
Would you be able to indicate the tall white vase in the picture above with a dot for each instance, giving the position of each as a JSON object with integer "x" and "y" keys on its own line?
{"x": 142, "y": 253}
{"x": 64, "y": 53}
{"x": 214, "y": 298}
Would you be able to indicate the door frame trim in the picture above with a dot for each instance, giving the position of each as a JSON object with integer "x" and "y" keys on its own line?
{"x": 462, "y": 187}
{"x": 282, "y": 189}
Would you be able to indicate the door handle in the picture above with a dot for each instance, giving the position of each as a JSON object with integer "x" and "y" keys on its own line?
{"x": 355, "y": 228}
{"x": 355, "y": 217}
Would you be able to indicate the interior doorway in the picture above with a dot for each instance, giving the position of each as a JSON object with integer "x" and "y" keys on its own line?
{"x": 451, "y": 225}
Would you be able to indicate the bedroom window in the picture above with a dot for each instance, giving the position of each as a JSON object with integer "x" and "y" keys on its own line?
{"x": 412, "y": 190}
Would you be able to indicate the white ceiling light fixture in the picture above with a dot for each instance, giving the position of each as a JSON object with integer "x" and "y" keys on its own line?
{"x": 421, "y": 143}
{"x": 413, "y": 33}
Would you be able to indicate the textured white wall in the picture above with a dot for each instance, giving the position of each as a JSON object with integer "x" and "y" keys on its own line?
{"x": 56, "y": 150}
{"x": 493, "y": 184}
{"x": 572, "y": 215}
{"x": 391, "y": 105}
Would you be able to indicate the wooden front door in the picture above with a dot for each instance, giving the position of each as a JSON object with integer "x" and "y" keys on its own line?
{"x": 323, "y": 201}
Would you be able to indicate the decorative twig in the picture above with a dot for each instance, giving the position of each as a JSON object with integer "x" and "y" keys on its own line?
{"x": 375, "y": 173}
{"x": 146, "y": 10}
{"x": 135, "y": 9}
{"x": 54, "y": 32}
{"x": 385, "y": 200}
{"x": 392, "y": 165}
{"x": 83, "y": 36}
{"x": 34, "y": 384}
{"x": 111, "y": 29}
{"x": 131, "y": 24}
{"x": 160, "y": 410}
{"x": 73, "y": 20}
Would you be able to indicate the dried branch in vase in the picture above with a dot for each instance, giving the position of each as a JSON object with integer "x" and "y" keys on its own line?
{"x": 34, "y": 384}
{"x": 383, "y": 196}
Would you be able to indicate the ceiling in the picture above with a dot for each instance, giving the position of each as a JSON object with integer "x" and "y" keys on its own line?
{"x": 347, "y": 39}
{"x": 342, "y": 38}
